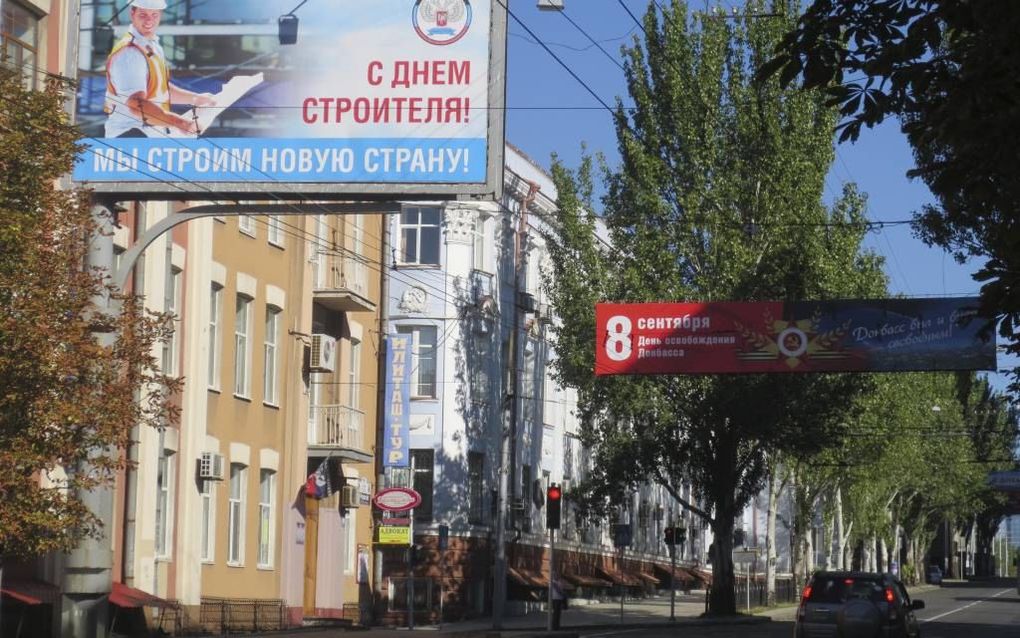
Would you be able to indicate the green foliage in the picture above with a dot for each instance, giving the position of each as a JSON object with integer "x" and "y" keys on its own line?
{"x": 946, "y": 69}
{"x": 718, "y": 196}
{"x": 64, "y": 396}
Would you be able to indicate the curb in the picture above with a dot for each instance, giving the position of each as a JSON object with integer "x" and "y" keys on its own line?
{"x": 571, "y": 631}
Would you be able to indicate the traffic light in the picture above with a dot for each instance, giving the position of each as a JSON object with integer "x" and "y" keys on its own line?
{"x": 553, "y": 499}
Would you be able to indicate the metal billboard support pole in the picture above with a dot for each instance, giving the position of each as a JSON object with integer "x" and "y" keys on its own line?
{"x": 88, "y": 569}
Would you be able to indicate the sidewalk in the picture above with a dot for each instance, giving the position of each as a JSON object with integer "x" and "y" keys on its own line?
{"x": 649, "y": 612}
{"x": 637, "y": 614}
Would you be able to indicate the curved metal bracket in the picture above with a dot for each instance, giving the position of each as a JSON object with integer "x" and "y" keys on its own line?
{"x": 152, "y": 233}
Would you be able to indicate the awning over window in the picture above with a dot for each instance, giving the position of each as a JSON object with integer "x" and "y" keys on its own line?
{"x": 527, "y": 577}
{"x": 586, "y": 581}
{"x": 30, "y": 592}
{"x": 131, "y": 598}
{"x": 679, "y": 573}
{"x": 620, "y": 578}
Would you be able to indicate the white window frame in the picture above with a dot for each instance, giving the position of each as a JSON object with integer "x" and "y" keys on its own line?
{"x": 165, "y": 504}
{"x": 480, "y": 247}
{"x": 172, "y": 306}
{"x": 416, "y": 352}
{"x": 215, "y": 334}
{"x": 235, "y": 514}
{"x": 246, "y": 224}
{"x": 267, "y": 519}
{"x": 350, "y": 523}
{"x": 418, "y": 227}
{"x": 242, "y": 346}
{"x": 207, "y": 493}
{"x": 354, "y": 375}
{"x": 270, "y": 352}
{"x": 274, "y": 230}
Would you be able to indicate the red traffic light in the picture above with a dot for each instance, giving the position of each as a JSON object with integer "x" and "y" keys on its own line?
{"x": 554, "y": 493}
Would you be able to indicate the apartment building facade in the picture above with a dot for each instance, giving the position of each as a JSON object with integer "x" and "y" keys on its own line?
{"x": 466, "y": 285}
{"x": 274, "y": 314}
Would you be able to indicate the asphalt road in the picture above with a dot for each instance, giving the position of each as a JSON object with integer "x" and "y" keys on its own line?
{"x": 988, "y": 609}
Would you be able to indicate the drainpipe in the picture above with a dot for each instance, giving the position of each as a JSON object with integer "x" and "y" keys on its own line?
{"x": 508, "y": 441}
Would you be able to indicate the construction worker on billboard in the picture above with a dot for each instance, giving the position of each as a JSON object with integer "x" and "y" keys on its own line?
{"x": 138, "y": 88}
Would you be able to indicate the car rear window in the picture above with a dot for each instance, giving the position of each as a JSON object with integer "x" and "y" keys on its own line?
{"x": 839, "y": 589}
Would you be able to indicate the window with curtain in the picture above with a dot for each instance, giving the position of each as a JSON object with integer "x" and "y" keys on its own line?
{"x": 235, "y": 514}
{"x": 215, "y": 334}
{"x": 267, "y": 494}
{"x": 242, "y": 346}
{"x": 208, "y": 495}
{"x": 423, "y": 360}
{"x": 172, "y": 306}
{"x": 354, "y": 375}
{"x": 269, "y": 352}
{"x": 275, "y": 230}
{"x": 164, "y": 504}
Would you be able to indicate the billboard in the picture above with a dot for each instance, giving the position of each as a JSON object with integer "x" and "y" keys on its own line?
{"x": 807, "y": 336}
{"x": 265, "y": 97}
{"x": 397, "y": 415}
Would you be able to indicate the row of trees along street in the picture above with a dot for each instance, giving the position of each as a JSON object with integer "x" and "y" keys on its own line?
{"x": 718, "y": 196}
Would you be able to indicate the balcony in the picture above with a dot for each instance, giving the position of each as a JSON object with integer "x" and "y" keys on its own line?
{"x": 338, "y": 430}
{"x": 341, "y": 282}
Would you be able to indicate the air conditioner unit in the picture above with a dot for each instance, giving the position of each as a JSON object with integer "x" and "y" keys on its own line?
{"x": 323, "y": 357}
{"x": 349, "y": 496}
{"x": 210, "y": 466}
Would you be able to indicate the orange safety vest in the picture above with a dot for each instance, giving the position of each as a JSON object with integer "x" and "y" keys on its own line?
{"x": 157, "y": 86}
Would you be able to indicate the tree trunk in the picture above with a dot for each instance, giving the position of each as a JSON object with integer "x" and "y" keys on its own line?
{"x": 839, "y": 531}
{"x": 829, "y": 542}
{"x": 770, "y": 542}
{"x": 722, "y": 599}
{"x": 868, "y": 554}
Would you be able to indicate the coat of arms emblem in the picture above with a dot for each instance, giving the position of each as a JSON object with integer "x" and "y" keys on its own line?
{"x": 441, "y": 22}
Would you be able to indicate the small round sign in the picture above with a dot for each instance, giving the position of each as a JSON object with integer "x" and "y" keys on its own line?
{"x": 396, "y": 499}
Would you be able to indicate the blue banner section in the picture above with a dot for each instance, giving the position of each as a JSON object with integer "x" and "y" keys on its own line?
{"x": 889, "y": 335}
{"x": 396, "y": 419}
{"x": 359, "y": 160}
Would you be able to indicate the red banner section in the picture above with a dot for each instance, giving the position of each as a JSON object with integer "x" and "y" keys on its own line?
{"x": 823, "y": 336}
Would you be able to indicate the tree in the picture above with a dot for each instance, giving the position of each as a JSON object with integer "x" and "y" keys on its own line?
{"x": 65, "y": 398}
{"x": 718, "y": 196}
{"x": 946, "y": 69}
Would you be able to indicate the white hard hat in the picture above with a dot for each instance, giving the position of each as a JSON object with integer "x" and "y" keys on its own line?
{"x": 149, "y": 4}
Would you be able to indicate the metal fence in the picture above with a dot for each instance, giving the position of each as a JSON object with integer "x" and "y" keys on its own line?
{"x": 785, "y": 592}
{"x": 225, "y": 615}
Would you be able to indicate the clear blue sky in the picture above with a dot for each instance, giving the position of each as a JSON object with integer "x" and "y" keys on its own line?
{"x": 551, "y": 112}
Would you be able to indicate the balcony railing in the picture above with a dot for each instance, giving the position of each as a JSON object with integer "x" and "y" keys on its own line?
{"x": 341, "y": 282}
{"x": 338, "y": 428}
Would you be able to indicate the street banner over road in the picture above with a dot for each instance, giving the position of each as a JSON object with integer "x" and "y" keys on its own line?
{"x": 285, "y": 97}
{"x": 810, "y": 336}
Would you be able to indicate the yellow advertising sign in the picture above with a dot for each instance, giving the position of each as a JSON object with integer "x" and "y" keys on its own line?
{"x": 390, "y": 535}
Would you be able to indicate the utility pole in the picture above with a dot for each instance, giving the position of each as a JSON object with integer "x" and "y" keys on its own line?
{"x": 508, "y": 442}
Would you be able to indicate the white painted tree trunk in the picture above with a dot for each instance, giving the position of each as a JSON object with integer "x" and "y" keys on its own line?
{"x": 770, "y": 541}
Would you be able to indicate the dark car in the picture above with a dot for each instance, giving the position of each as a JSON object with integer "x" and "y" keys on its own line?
{"x": 934, "y": 574}
{"x": 856, "y": 605}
